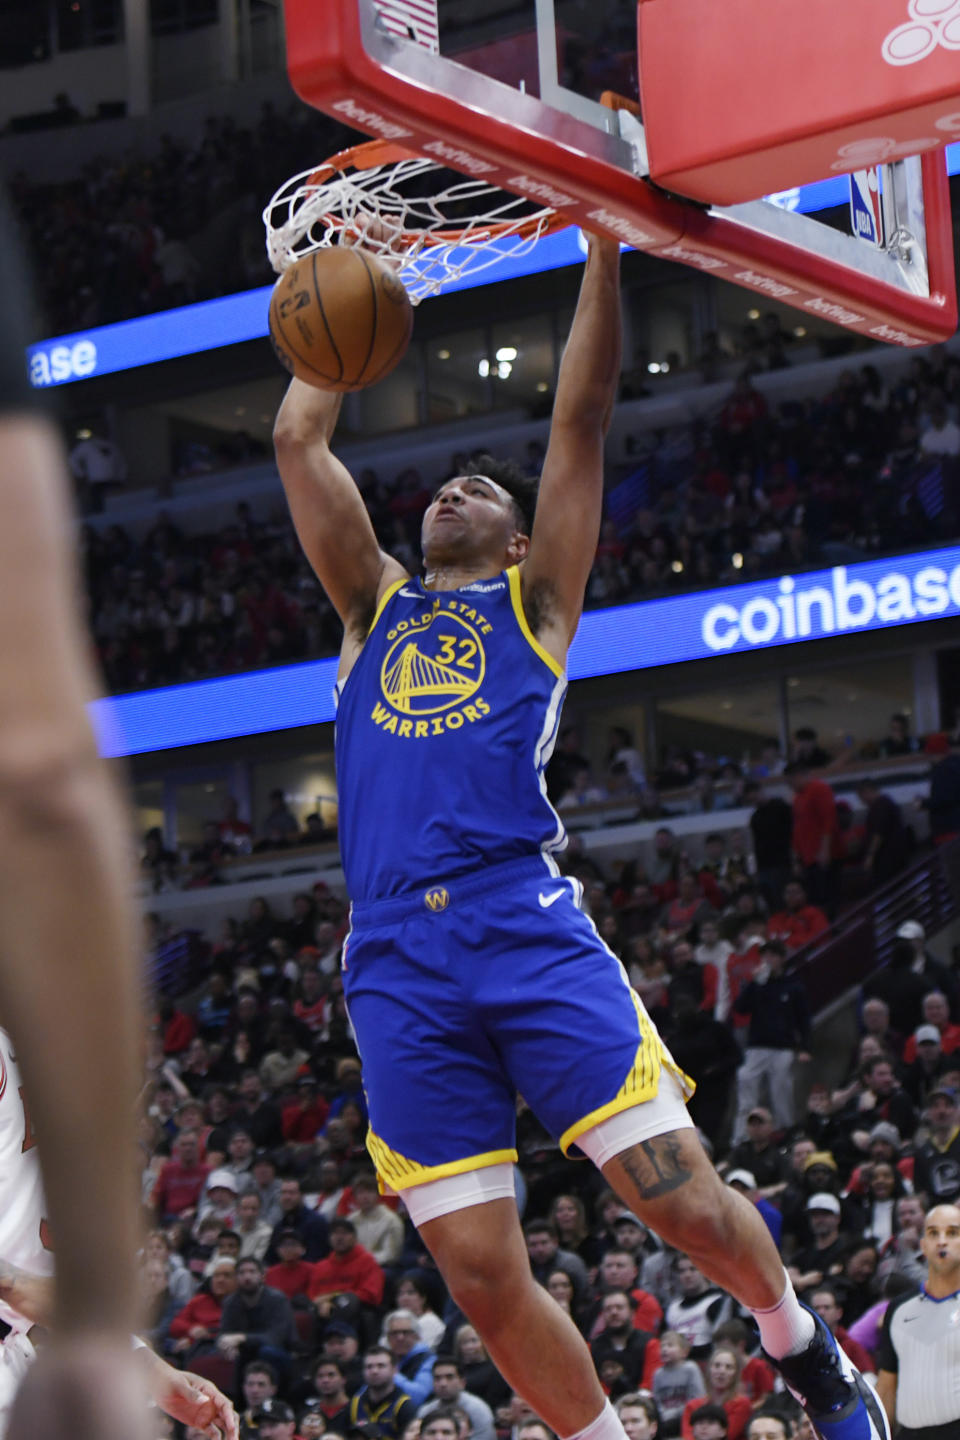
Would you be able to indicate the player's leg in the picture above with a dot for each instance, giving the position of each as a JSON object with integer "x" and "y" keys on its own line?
{"x": 669, "y": 1182}
{"x": 442, "y": 1129}
{"x": 622, "y": 1102}
{"x": 534, "y": 1344}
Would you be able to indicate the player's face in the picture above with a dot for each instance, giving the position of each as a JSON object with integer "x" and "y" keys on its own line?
{"x": 468, "y": 518}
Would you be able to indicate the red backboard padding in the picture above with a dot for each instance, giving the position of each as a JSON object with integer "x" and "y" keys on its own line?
{"x": 747, "y": 97}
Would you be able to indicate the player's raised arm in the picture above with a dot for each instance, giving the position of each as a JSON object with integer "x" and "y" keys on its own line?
{"x": 327, "y": 508}
{"x": 567, "y": 525}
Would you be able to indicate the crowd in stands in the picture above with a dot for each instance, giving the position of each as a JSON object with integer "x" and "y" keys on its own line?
{"x": 837, "y": 852}
{"x": 275, "y": 1265}
{"x": 859, "y": 471}
{"x": 135, "y": 233}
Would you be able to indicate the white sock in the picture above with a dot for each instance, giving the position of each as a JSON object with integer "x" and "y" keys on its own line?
{"x": 607, "y": 1426}
{"x": 786, "y": 1328}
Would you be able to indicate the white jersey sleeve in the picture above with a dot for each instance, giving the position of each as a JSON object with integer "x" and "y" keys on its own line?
{"x": 24, "y": 1234}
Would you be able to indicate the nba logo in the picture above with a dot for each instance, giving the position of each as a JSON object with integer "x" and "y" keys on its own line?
{"x": 866, "y": 206}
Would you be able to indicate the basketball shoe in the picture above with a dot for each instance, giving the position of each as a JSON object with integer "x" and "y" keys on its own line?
{"x": 839, "y": 1402}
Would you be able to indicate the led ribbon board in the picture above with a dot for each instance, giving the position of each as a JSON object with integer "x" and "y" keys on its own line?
{"x": 814, "y": 605}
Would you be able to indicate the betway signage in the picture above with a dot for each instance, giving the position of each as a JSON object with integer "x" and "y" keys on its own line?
{"x": 874, "y": 595}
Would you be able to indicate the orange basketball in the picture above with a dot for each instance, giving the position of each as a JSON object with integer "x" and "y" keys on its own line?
{"x": 340, "y": 319}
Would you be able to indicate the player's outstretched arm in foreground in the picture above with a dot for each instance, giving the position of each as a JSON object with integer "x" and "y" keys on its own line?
{"x": 567, "y": 525}
{"x": 328, "y": 510}
{"x": 189, "y": 1398}
{"x": 69, "y": 951}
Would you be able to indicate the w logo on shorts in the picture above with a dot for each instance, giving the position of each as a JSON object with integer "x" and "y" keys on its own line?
{"x": 436, "y": 900}
{"x": 932, "y": 23}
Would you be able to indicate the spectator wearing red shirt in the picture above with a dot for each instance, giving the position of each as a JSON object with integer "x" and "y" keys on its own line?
{"x": 815, "y": 833}
{"x": 180, "y": 1182}
{"x": 310, "y": 1006}
{"x": 936, "y": 1016}
{"x": 348, "y": 1269}
{"x": 178, "y": 1028}
{"x": 756, "y": 1376}
{"x": 306, "y": 1116}
{"x": 688, "y": 909}
{"x": 198, "y": 1323}
{"x": 724, "y": 1389}
{"x": 619, "y": 1270}
{"x": 293, "y": 1274}
{"x": 827, "y": 1305}
{"x": 798, "y": 922}
{"x": 742, "y": 965}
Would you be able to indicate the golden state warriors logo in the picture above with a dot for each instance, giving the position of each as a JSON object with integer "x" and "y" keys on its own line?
{"x": 436, "y": 900}
{"x": 434, "y": 666}
{"x": 432, "y": 672}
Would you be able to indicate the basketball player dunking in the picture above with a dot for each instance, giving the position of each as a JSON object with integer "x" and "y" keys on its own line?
{"x": 470, "y": 972}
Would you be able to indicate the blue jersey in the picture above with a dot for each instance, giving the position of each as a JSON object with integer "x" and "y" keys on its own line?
{"x": 444, "y": 726}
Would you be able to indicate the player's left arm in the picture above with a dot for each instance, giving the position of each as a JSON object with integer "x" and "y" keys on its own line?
{"x": 567, "y": 526}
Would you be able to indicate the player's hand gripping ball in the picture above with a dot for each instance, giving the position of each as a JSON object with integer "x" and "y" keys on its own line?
{"x": 340, "y": 319}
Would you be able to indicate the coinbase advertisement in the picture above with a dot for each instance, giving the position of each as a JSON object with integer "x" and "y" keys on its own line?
{"x": 814, "y": 605}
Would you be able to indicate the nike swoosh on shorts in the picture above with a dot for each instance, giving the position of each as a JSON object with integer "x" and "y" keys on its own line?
{"x": 547, "y": 900}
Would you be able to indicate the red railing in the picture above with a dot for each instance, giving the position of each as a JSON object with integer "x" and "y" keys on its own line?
{"x": 861, "y": 940}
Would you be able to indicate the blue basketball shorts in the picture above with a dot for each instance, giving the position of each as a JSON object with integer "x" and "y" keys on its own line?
{"x": 464, "y": 995}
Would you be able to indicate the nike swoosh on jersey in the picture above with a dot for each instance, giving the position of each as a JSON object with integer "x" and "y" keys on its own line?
{"x": 411, "y": 594}
{"x": 547, "y": 900}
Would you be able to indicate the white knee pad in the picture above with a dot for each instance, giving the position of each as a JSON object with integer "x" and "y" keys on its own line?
{"x": 666, "y": 1111}
{"x": 457, "y": 1192}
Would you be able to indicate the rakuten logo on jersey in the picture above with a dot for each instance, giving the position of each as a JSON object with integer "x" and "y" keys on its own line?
{"x": 61, "y": 363}
{"x": 811, "y": 612}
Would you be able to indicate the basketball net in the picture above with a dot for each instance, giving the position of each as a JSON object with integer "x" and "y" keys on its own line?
{"x": 436, "y": 229}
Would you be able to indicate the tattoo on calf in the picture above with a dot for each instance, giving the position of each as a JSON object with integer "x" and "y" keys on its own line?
{"x": 656, "y": 1166}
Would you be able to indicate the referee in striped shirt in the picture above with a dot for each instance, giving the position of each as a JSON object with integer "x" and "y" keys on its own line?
{"x": 919, "y": 1350}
